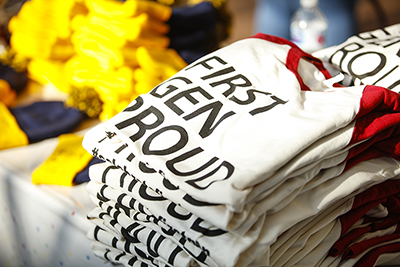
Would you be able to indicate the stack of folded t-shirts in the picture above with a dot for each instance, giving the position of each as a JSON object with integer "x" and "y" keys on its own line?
{"x": 253, "y": 155}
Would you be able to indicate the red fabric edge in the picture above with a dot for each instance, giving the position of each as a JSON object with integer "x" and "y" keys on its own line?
{"x": 294, "y": 56}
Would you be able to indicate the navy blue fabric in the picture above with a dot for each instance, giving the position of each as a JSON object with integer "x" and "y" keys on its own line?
{"x": 16, "y": 80}
{"x": 47, "y": 119}
{"x": 186, "y": 19}
{"x": 83, "y": 176}
{"x": 192, "y": 30}
{"x": 192, "y": 39}
{"x": 191, "y": 55}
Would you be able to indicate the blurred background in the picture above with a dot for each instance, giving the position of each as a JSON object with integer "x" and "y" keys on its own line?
{"x": 369, "y": 15}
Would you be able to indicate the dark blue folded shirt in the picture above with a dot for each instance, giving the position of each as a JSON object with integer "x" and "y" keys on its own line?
{"x": 47, "y": 119}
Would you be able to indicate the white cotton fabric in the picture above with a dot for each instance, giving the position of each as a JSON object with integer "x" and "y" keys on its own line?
{"x": 368, "y": 58}
{"x": 304, "y": 216}
{"x": 296, "y": 120}
{"x": 106, "y": 191}
{"x": 268, "y": 201}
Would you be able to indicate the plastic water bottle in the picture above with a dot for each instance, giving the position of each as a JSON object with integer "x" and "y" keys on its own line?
{"x": 308, "y": 26}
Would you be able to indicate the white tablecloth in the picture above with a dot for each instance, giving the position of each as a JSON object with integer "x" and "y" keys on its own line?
{"x": 41, "y": 225}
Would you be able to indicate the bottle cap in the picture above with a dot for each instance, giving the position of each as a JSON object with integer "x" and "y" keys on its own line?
{"x": 309, "y": 3}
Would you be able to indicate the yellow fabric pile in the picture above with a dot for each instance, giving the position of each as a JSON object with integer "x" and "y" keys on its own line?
{"x": 101, "y": 53}
{"x": 118, "y": 49}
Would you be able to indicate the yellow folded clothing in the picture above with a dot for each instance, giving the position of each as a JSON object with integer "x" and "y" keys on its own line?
{"x": 160, "y": 61}
{"x": 109, "y": 84}
{"x": 42, "y": 28}
{"x": 129, "y": 55}
{"x": 7, "y": 95}
{"x": 46, "y": 71}
{"x": 130, "y": 8}
{"x": 66, "y": 161}
{"x": 140, "y": 75}
{"x": 142, "y": 37}
{"x": 11, "y": 134}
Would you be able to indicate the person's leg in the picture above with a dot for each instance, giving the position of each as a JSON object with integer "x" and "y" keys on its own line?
{"x": 341, "y": 20}
{"x": 273, "y": 16}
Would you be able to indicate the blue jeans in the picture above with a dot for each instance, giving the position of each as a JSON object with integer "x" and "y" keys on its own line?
{"x": 273, "y": 17}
